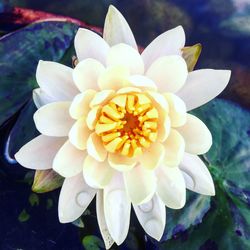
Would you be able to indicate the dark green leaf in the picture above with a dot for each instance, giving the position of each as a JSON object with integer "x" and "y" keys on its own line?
{"x": 92, "y": 242}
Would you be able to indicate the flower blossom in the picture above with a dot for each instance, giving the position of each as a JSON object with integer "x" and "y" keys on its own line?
{"x": 117, "y": 127}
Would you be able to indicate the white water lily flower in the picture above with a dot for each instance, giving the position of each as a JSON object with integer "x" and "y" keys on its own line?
{"x": 117, "y": 126}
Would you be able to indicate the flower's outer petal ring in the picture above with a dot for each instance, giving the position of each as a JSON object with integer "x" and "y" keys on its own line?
{"x": 202, "y": 86}
{"x": 56, "y": 80}
{"x": 169, "y": 43}
{"x": 39, "y": 153}
{"x": 169, "y": 73}
{"x": 68, "y": 161}
{"x": 152, "y": 217}
{"x": 196, "y": 174}
{"x": 124, "y": 55}
{"x": 117, "y": 209}
{"x": 171, "y": 187}
{"x": 108, "y": 241}
{"x": 41, "y": 98}
{"x": 116, "y": 29}
{"x": 197, "y": 136}
{"x": 53, "y": 119}
{"x": 75, "y": 196}
{"x": 88, "y": 44}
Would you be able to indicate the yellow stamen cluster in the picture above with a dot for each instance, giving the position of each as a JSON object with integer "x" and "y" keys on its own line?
{"x": 127, "y": 124}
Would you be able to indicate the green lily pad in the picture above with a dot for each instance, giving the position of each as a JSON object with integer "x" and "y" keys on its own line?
{"x": 227, "y": 223}
{"x": 92, "y": 242}
{"x": 19, "y": 54}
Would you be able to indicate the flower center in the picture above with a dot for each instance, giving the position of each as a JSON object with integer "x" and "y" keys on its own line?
{"x": 127, "y": 124}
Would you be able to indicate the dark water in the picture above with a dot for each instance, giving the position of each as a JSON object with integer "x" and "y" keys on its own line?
{"x": 221, "y": 26}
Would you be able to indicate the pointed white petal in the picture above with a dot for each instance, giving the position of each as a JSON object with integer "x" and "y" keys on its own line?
{"x": 202, "y": 86}
{"x": 169, "y": 43}
{"x": 86, "y": 74}
{"x": 177, "y": 110}
{"x": 197, "y": 136}
{"x": 114, "y": 78}
{"x": 53, "y": 119}
{"x": 79, "y": 134}
{"x": 116, "y": 29}
{"x": 174, "y": 149}
{"x": 142, "y": 82}
{"x": 120, "y": 162}
{"x": 152, "y": 217}
{"x": 40, "y": 98}
{"x": 152, "y": 156}
{"x": 69, "y": 160}
{"x": 90, "y": 45}
{"x": 140, "y": 184}
{"x": 75, "y": 196}
{"x": 39, "y": 152}
{"x": 97, "y": 174}
{"x": 124, "y": 55}
{"x": 108, "y": 241}
{"x": 117, "y": 209}
{"x": 95, "y": 147}
{"x": 101, "y": 97}
{"x": 171, "y": 187}
{"x": 56, "y": 80}
{"x": 80, "y": 105}
{"x": 196, "y": 174}
{"x": 169, "y": 73}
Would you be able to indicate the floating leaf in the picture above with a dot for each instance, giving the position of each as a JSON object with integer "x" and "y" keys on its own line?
{"x": 19, "y": 54}
{"x": 92, "y": 242}
{"x": 34, "y": 200}
{"x": 23, "y": 216}
{"x": 191, "y": 55}
{"x": 46, "y": 180}
{"x": 226, "y": 224}
{"x": 179, "y": 220}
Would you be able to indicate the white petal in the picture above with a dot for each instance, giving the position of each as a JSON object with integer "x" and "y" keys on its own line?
{"x": 171, "y": 187}
{"x": 114, "y": 78}
{"x": 196, "y": 174}
{"x": 95, "y": 147}
{"x": 152, "y": 217}
{"x": 202, "y": 86}
{"x": 120, "y": 162}
{"x": 90, "y": 45}
{"x": 197, "y": 136}
{"x": 177, "y": 110}
{"x": 56, "y": 80}
{"x": 40, "y": 98}
{"x": 75, "y": 196}
{"x": 86, "y": 74}
{"x": 116, "y": 29}
{"x": 79, "y": 134}
{"x": 101, "y": 97}
{"x": 169, "y": 73}
{"x": 80, "y": 105}
{"x": 108, "y": 241}
{"x": 53, "y": 119}
{"x": 68, "y": 161}
{"x": 174, "y": 148}
{"x": 169, "y": 43}
{"x": 97, "y": 174}
{"x": 152, "y": 156}
{"x": 142, "y": 82}
{"x": 140, "y": 184}
{"x": 124, "y": 55}
{"x": 117, "y": 209}
{"x": 39, "y": 152}
{"x": 92, "y": 117}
